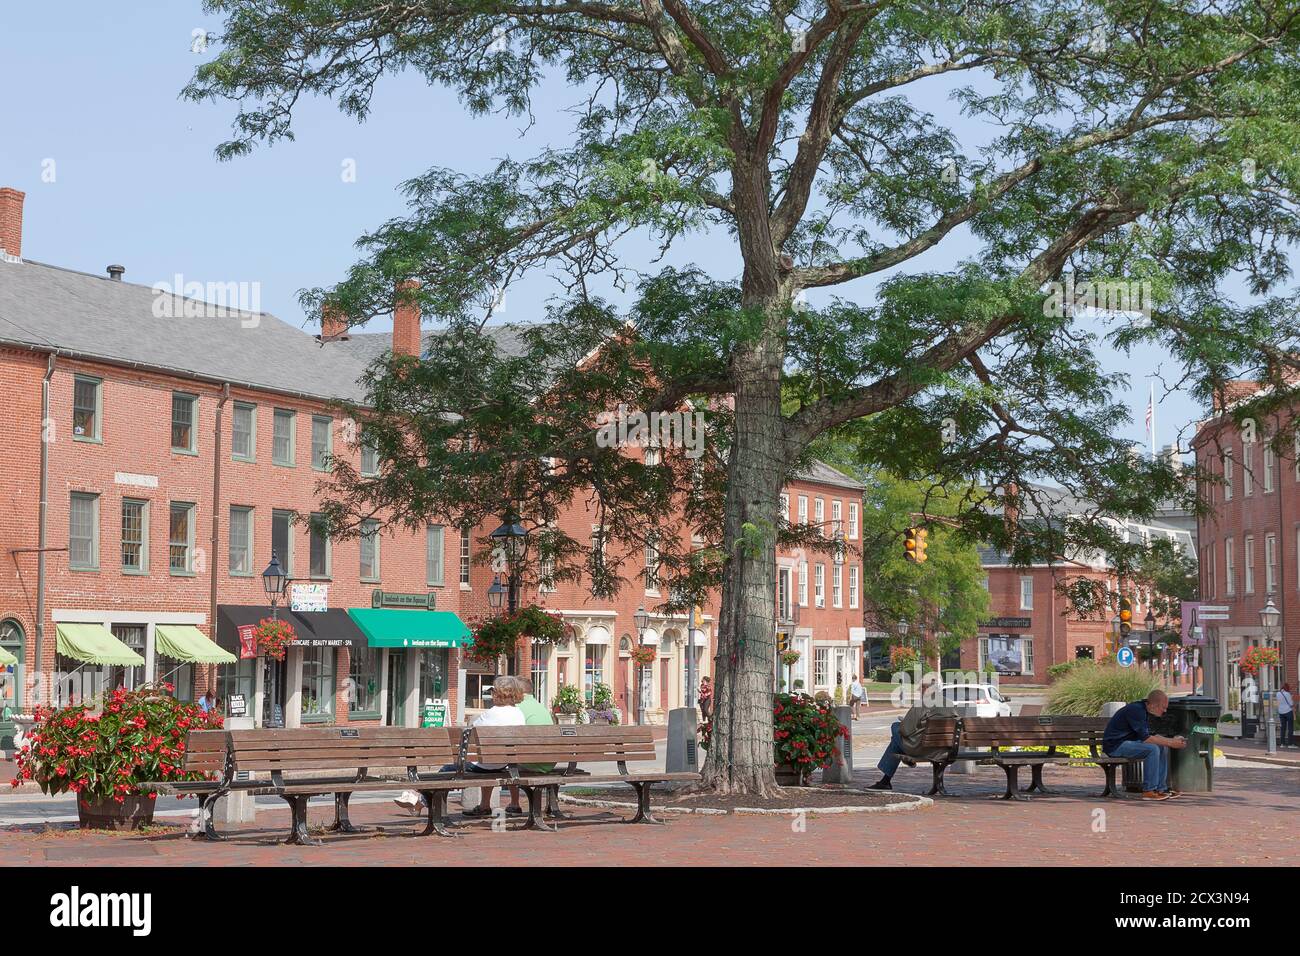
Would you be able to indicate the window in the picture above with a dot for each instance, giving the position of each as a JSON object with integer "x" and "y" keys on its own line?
{"x": 785, "y": 508}
{"x": 135, "y": 535}
{"x": 370, "y": 550}
{"x": 819, "y": 585}
{"x": 183, "y": 434}
{"x": 243, "y": 432}
{"x": 652, "y": 565}
{"x": 237, "y": 678}
{"x": 819, "y": 514}
{"x": 783, "y": 594}
{"x": 1248, "y": 545}
{"x": 317, "y": 683}
{"x": 1269, "y": 456}
{"x": 1247, "y": 469}
{"x": 319, "y": 560}
{"x": 1026, "y": 592}
{"x": 597, "y": 552}
{"x": 985, "y": 582}
{"x": 241, "y": 540}
{"x": 593, "y": 669}
{"x": 1214, "y": 577}
{"x": 433, "y": 548}
{"x": 133, "y": 636}
{"x": 87, "y": 398}
{"x": 1227, "y": 474}
{"x": 853, "y": 586}
{"x": 1229, "y": 566}
{"x": 853, "y": 520}
{"x": 282, "y": 427}
{"x": 537, "y": 671}
{"x": 322, "y": 441}
{"x": 464, "y": 557}
{"x": 837, "y": 522}
{"x": 803, "y": 583}
{"x": 837, "y": 586}
{"x": 1270, "y": 563}
{"x": 83, "y": 532}
{"x": 803, "y": 509}
{"x": 1027, "y": 649}
{"x": 652, "y": 457}
{"x": 369, "y": 457}
{"x": 821, "y": 666}
{"x": 180, "y": 538}
{"x": 282, "y": 539}
{"x": 363, "y": 681}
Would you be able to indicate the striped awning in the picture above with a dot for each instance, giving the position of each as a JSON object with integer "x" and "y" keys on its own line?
{"x": 185, "y": 642}
{"x": 94, "y": 644}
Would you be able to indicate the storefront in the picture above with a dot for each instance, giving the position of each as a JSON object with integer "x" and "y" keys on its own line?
{"x": 305, "y": 687}
{"x": 411, "y": 652}
{"x": 12, "y": 653}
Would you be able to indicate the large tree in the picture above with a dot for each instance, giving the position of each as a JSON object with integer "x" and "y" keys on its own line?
{"x": 1144, "y": 140}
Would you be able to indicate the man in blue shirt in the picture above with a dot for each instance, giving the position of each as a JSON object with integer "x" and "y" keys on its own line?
{"x": 1129, "y": 735}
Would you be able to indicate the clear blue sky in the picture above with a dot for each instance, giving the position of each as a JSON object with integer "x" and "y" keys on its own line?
{"x": 94, "y": 88}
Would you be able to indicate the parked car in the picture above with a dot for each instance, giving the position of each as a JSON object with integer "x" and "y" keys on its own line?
{"x": 986, "y": 698}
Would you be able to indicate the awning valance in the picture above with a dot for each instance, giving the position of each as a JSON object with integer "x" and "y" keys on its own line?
{"x": 94, "y": 644}
{"x": 332, "y": 628}
{"x": 392, "y": 627}
{"x": 6, "y": 658}
{"x": 185, "y": 642}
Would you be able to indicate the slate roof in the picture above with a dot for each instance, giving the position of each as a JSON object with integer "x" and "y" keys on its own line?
{"x": 824, "y": 474}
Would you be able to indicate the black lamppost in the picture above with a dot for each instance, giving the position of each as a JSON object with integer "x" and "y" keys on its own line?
{"x": 642, "y": 619}
{"x": 1269, "y": 618}
{"x": 274, "y": 581}
{"x": 512, "y": 540}
{"x": 1151, "y": 639}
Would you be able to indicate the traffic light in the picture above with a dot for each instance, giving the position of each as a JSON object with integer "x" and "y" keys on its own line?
{"x": 915, "y": 544}
{"x": 1125, "y": 617}
{"x": 782, "y": 642}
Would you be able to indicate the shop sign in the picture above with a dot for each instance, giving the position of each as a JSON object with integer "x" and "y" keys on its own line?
{"x": 1008, "y": 622}
{"x": 427, "y": 601}
{"x": 247, "y": 641}
{"x": 236, "y": 706}
{"x": 309, "y": 597}
{"x": 435, "y": 714}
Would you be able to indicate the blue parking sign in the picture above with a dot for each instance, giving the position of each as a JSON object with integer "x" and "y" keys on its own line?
{"x": 1125, "y": 657}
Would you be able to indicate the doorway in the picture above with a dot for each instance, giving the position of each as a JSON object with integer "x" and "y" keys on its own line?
{"x": 12, "y": 639}
{"x": 396, "y": 704}
{"x": 273, "y": 686}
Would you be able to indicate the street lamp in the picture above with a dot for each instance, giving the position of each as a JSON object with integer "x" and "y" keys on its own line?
{"x": 1151, "y": 639}
{"x": 642, "y": 620}
{"x": 1269, "y": 618}
{"x": 273, "y": 582}
{"x": 496, "y": 593}
{"x": 512, "y": 539}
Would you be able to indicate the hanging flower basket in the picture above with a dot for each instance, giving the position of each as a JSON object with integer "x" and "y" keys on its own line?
{"x": 273, "y": 637}
{"x": 790, "y": 658}
{"x": 1257, "y": 658}
{"x": 645, "y": 654}
{"x": 494, "y": 636}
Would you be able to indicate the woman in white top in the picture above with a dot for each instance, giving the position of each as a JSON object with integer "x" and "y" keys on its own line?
{"x": 504, "y": 712}
{"x": 1286, "y": 714}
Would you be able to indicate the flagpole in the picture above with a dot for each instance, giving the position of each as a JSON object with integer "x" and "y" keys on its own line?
{"x": 1151, "y": 420}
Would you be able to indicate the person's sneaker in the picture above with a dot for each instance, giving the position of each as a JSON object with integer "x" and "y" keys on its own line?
{"x": 1154, "y": 795}
{"x": 1172, "y": 793}
{"x": 410, "y": 801}
{"x": 515, "y": 811}
{"x": 881, "y": 784}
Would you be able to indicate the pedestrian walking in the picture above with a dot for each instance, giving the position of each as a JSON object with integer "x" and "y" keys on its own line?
{"x": 1286, "y": 714}
{"x": 857, "y": 694}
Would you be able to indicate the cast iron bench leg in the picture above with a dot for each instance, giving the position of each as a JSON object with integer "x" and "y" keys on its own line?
{"x": 1036, "y": 781}
{"x": 1013, "y": 791}
{"x": 208, "y": 829}
{"x": 341, "y": 822}
{"x": 535, "y": 821}
{"x": 437, "y": 802}
{"x": 643, "y": 814}
{"x": 298, "y": 835}
{"x": 937, "y": 786}
{"x": 1109, "y": 770}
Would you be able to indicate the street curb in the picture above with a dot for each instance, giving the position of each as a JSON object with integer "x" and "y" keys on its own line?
{"x": 1271, "y": 761}
{"x": 917, "y": 803}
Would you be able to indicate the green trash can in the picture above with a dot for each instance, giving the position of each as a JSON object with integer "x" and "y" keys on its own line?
{"x": 1191, "y": 770}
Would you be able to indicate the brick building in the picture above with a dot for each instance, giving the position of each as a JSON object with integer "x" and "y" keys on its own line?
{"x": 1248, "y": 544}
{"x": 176, "y": 442}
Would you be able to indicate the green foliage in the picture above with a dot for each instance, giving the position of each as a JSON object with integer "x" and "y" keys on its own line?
{"x": 567, "y": 700}
{"x": 804, "y": 732}
{"x": 1057, "y": 671}
{"x": 1084, "y": 690}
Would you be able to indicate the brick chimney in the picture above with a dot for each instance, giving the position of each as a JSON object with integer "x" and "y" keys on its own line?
{"x": 1011, "y": 509}
{"x": 333, "y": 325}
{"x": 11, "y": 220}
{"x": 406, "y": 321}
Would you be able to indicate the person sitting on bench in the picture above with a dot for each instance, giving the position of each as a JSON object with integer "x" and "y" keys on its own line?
{"x": 894, "y": 753}
{"x": 1129, "y": 735}
{"x": 507, "y": 692}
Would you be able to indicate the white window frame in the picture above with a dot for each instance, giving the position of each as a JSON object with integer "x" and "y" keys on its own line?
{"x": 1227, "y": 474}
{"x": 785, "y": 508}
{"x": 853, "y": 587}
{"x": 837, "y": 516}
{"x": 466, "y": 559}
{"x": 329, "y": 442}
{"x": 1247, "y": 472}
{"x": 651, "y": 575}
{"x": 143, "y": 568}
{"x": 819, "y": 585}
{"x": 366, "y": 446}
{"x": 1270, "y": 563}
{"x": 1229, "y": 566}
{"x": 803, "y": 509}
{"x": 819, "y": 514}
{"x": 435, "y": 553}
{"x": 280, "y": 414}
{"x": 191, "y": 509}
{"x": 803, "y": 583}
{"x": 853, "y": 521}
{"x": 1269, "y": 457}
{"x": 1248, "y": 561}
{"x": 369, "y": 535}
{"x": 1026, "y": 594}
{"x": 251, "y": 410}
{"x": 92, "y": 499}
{"x": 837, "y": 586}
{"x": 247, "y": 512}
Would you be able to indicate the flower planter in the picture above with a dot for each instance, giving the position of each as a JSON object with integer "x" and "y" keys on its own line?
{"x": 787, "y": 776}
{"x": 600, "y": 720}
{"x": 135, "y": 811}
{"x": 566, "y": 718}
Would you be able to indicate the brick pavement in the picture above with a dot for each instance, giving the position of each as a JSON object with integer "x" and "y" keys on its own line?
{"x": 1249, "y": 820}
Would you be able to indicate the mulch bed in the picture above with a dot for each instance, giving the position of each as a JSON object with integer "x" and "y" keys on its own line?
{"x": 789, "y": 798}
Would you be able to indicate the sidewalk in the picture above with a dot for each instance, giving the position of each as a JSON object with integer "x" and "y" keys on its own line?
{"x": 1257, "y": 751}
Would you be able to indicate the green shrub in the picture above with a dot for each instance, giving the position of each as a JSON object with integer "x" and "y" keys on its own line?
{"x": 1083, "y": 690}
{"x": 1057, "y": 671}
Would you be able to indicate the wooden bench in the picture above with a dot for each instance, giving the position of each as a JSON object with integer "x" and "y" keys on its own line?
{"x": 206, "y": 752}
{"x": 999, "y": 733}
{"x": 961, "y": 737}
{"x": 567, "y": 746}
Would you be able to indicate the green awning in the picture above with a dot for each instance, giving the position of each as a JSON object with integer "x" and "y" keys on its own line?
{"x": 391, "y": 627}
{"x": 94, "y": 644}
{"x": 6, "y": 658}
{"x": 184, "y": 642}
